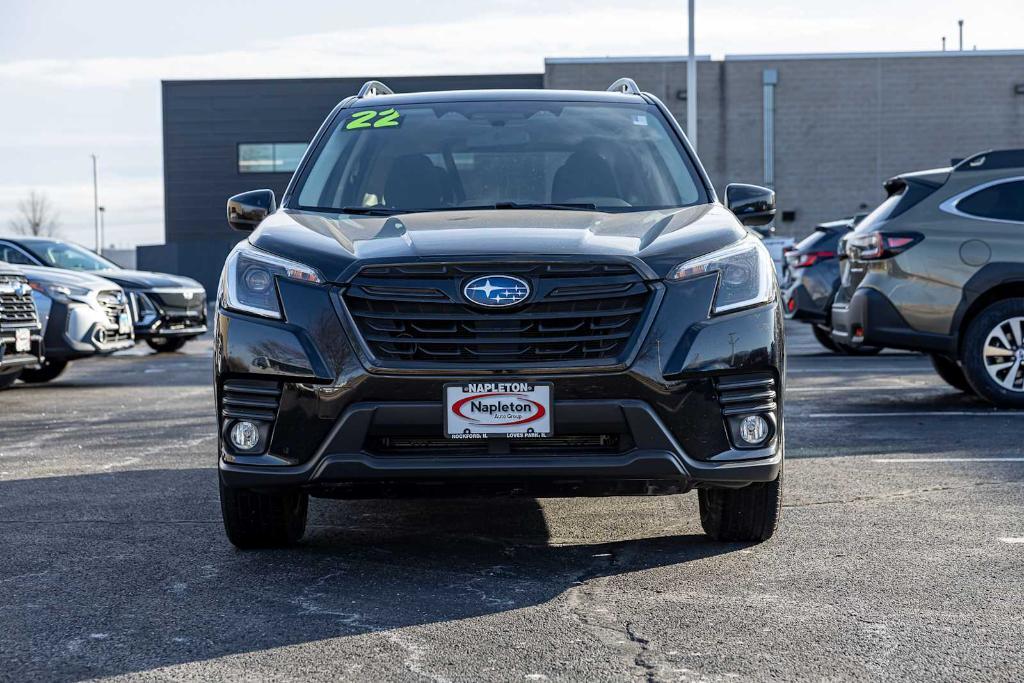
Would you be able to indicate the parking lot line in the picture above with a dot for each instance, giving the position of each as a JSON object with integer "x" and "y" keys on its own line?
{"x": 825, "y": 372}
{"x": 924, "y": 413}
{"x": 1013, "y": 540}
{"x": 867, "y": 389}
{"x": 931, "y": 460}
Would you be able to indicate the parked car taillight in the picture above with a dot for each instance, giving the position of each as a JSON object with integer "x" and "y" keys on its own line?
{"x": 812, "y": 257}
{"x": 880, "y": 245}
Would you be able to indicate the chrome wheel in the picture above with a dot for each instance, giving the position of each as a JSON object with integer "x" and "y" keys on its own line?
{"x": 1004, "y": 354}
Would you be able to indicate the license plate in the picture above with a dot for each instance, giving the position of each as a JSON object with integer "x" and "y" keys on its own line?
{"x": 22, "y": 341}
{"x": 124, "y": 323}
{"x": 508, "y": 410}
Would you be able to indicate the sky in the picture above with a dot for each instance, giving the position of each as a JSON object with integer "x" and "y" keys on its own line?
{"x": 80, "y": 78}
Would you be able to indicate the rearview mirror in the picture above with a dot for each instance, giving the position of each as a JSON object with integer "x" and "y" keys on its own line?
{"x": 247, "y": 210}
{"x": 753, "y": 205}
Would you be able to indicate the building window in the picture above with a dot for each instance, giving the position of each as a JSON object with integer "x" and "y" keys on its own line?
{"x": 269, "y": 157}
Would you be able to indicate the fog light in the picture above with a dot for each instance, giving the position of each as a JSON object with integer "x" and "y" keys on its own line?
{"x": 754, "y": 429}
{"x": 245, "y": 435}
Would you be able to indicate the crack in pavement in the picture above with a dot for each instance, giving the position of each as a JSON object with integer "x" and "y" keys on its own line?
{"x": 641, "y": 656}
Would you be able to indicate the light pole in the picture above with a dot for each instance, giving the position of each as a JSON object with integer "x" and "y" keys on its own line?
{"x": 961, "y": 23}
{"x": 103, "y": 230}
{"x": 96, "y": 205}
{"x": 691, "y": 88}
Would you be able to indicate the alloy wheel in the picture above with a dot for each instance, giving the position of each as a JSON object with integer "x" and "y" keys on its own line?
{"x": 1004, "y": 354}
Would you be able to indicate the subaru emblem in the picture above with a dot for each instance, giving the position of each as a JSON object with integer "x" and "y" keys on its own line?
{"x": 496, "y": 291}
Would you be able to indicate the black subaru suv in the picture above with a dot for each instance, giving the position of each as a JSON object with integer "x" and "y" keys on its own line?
{"x": 499, "y": 292}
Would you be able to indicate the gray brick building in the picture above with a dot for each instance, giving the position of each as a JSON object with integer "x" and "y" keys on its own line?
{"x": 843, "y": 123}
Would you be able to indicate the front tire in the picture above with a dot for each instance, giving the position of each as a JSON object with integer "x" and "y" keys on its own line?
{"x": 166, "y": 344}
{"x": 993, "y": 353}
{"x": 263, "y": 520}
{"x": 748, "y": 514}
{"x": 951, "y": 374}
{"x": 47, "y": 372}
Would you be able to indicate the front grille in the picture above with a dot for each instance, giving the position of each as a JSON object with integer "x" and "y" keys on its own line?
{"x": 114, "y": 303}
{"x": 185, "y": 303}
{"x": 250, "y": 400}
{"x": 577, "y": 314}
{"x": 16, "y": 310}
{"x": 743, "y": 394}
{"x": 432, "y": 446}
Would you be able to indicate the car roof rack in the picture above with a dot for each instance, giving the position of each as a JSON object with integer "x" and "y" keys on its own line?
{"x": 626, "y": 86}
{"x": 374, "y": 88}
{"x": 992, "y": 160}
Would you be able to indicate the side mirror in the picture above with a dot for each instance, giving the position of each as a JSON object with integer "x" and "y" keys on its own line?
{"x": 753, "y": 205}
{"x": 247, "y": 210}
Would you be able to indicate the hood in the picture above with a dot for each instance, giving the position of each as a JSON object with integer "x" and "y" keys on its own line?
{"x": 140, "y": 279}
{"x": 9, "y": 269}
{"x": 68, "y": 278}
{"x": 333, "y": 243}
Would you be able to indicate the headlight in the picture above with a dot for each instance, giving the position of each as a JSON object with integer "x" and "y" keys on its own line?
{"x": 746, "y": 274}
{"x": 247, "y": 283}
{"x": 62, "y": 293}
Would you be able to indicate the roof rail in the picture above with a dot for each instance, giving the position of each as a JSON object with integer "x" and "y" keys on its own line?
{"x": 991, "y": 160}
{"x": 374, "y": 88}
{"x": 626, "y": 86}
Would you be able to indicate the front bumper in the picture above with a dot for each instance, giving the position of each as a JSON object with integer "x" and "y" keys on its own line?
{"x": 77, "y": 330}
{"x": 670, "y": 414}
{"x": 155, "y": 317}
{"x": 188, "y": 330}
{"x": 11, "y": 359}
{"x": 655, "y": 454}
{"x": 870, "y": 319}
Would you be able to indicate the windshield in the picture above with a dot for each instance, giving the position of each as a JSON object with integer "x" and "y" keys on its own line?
{"x": 69, "y": 256}
{"x": 500, "y": 154}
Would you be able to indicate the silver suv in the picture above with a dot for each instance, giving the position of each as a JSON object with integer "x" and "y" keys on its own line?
{"x": 939, "y": 267}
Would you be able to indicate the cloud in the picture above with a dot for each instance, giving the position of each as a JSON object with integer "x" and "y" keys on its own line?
{"x": 500, "y": 42}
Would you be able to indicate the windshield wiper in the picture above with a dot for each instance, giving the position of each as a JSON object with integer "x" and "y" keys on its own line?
{"x": 555, "y": 206}
{"x": 372, "y": 210}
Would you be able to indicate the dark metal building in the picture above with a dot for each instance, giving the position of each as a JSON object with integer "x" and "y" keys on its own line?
{"x": 225, "y": 137}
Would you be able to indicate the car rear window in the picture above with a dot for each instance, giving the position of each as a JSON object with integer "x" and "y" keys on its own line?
{"x": 451, "y": 155}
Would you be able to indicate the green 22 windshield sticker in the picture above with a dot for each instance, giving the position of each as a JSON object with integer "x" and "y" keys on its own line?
{"x": 368, "y": 118}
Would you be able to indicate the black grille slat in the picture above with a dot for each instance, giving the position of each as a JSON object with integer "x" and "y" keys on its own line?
{"x": 250, "y": 400}
{"x": 577, "y": 313}
{"x": 746, "y": 394}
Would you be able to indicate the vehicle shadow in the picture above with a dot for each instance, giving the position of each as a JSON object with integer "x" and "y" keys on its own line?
{"x": 128, "y": 571}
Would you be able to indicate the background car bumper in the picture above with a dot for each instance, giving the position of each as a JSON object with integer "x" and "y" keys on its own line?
{"x": 78, "y": 331}
{"x": 10, "y": 359}
{"x": 871, "y": 319}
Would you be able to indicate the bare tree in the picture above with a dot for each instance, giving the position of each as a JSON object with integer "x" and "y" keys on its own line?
{"x": 36, "y": 216}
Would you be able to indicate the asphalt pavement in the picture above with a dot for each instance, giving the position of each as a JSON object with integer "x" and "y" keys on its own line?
{"x": 900, "y": 552}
